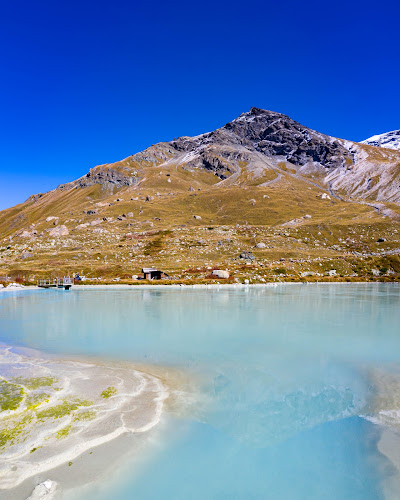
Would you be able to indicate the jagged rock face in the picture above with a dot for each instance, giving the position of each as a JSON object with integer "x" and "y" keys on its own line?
{"x": 390, "y": 140}
{"x": 274, "y": 134}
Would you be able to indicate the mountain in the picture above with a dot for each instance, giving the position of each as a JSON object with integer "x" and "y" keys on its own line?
{"x": 390, "y": 140}
{"x": 262, "y": 183}
{"x": 261, "y": 144}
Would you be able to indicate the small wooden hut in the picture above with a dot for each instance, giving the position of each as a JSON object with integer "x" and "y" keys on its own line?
{"x": 151, "y": 273}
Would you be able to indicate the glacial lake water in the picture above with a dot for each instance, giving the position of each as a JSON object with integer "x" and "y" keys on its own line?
{"x": 295, "y": 383}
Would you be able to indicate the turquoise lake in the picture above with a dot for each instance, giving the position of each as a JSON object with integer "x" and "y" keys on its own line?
{"x": 293, "y": 383}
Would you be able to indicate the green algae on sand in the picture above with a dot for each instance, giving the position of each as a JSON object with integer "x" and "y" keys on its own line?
{"x": 11, "y": 395}
{"x": 107, "y": 393}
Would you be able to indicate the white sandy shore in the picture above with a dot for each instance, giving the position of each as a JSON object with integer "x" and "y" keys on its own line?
{"x": 90, "y": 445}
{"x": 87, "y": 468}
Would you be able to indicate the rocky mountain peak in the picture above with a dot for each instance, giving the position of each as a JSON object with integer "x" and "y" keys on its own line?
{"x": 275, "y": 134}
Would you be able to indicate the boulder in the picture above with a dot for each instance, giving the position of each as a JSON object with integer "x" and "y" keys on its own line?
{"x": 252, "y": 202}
{"x": 261, "y": 245}
{"x": 219, "y": 273}
{"x": 59, "y": 231}
{"x": 246, "y": 256}
{"x": 26, "y": 255}
{"x": 196, "y": 217}
{"x": 45, "y": 490}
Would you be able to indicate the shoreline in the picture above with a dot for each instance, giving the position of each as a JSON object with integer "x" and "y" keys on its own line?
{"x": 232, "y": 286}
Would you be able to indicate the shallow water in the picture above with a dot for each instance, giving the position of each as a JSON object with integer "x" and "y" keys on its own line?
{"x": 285, "y": 378}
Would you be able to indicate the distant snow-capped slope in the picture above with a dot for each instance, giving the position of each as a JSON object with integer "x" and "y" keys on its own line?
{"x": 390, "y": 140}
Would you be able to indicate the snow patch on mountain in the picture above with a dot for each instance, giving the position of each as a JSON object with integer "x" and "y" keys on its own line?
{"x": 390, "y": 140}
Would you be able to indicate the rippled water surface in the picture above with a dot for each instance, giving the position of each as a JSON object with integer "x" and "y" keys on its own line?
{"x": 294, "y": 382}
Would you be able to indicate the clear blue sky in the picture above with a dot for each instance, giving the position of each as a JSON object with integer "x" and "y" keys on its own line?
{"x": 84, "y": 83}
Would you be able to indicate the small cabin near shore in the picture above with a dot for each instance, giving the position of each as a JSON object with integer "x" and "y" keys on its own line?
{"x": 151, "y": 273}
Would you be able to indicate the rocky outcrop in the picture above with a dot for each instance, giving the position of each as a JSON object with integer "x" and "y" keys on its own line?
{"x": 212, "y": 162}
{"x": 107, "y": 177}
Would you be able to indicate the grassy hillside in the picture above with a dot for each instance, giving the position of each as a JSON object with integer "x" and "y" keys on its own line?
{"x": 188, "y": 221}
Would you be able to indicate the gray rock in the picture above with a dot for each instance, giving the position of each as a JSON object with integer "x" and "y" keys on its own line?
{"x": 26, "y": 255}
{"x": 261, "y": 245}
{"x": 246, "y": 256}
